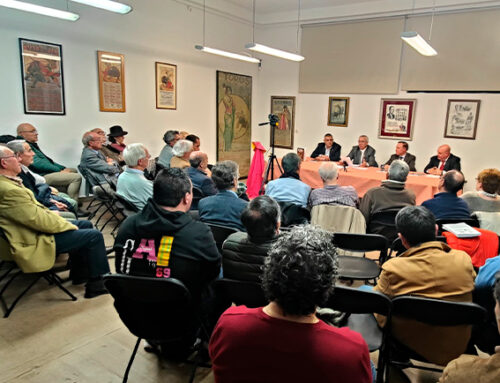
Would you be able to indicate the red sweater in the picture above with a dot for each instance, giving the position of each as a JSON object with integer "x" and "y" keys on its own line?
{"x": 479, "y": 248}
{"x": 247, "y": 345}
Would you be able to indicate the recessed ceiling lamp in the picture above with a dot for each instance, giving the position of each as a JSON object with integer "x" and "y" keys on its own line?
{"x": 108, "y": 5}
{"x": 417, "y": 42}
{"x": 220, "y": 52}
{"x": 273, "y": 51}
{"x": 33, "y": 8}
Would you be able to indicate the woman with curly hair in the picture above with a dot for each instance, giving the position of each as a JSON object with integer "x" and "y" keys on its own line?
{"x": 285, "y": 341}
{"x": 485, "y": 197}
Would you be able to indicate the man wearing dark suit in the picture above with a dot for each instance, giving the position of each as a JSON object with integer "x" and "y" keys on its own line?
{"x": 225, "y": 207}
{"x": 363, "y": 154}
{"x": 444, "y": 161}
{"x": 327, "y": 150}
{"x": 403, "y": 155}
{"x": 198, "y": 173}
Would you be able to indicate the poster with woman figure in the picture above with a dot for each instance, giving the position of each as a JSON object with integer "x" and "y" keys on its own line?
{"x": 284, "y": 108}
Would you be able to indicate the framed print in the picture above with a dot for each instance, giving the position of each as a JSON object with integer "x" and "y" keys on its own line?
{"x": 42, "y": 77}
{"x": 284, "y": 108}
{"x": 338, "y": 111}
{"x": 234, "y": 124}
{"x": 396, "y": 118}
{"x": 166, "y": 85}
{"x": 111, "y": 68}
{"x": 461, "y": 119}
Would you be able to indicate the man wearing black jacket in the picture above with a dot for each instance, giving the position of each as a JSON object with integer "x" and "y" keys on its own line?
{"x": 327, "y": 150}
{"x": 444, "y": 161}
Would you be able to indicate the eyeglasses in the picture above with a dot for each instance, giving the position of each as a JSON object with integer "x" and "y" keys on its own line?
{"x": 30, "y": 131}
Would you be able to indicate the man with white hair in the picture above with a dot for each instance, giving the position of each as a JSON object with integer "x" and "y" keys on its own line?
{"x": 331, "y": 193}
{"x": 181, "y": 151}
{"x": 132, "y": 185}
{"x": 391, "y": 194}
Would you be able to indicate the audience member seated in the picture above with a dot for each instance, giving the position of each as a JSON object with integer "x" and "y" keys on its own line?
{"x": 114, "y": 149}
{"x": 170, "y": 138}
{"x": 181, "y": 151}
{"x": 198, "y": 173}
{"x": 225, "y": 207}
{"x": 195, "y": 140}
{"x": 403, "y": 155}
{"x": 285, "y": 341}
{"x": 331, "y": 193}
{"x": 55, "y": 174}
{"x": 446, "y": 204}
{"x": 485, "y": 197}
{"x": 327, "y": 150}
{"x": 94, "y": 162}
{"x": 289, "y": 187}
{"x": 132, "y": 185}
{"x": 363, "y": 154}
{"x": 471, "y": 368}
{"x": 163, "y": 241}
{"x": 444, "y": 161}
{"x": 391, "y": 195}
{"x": 430, "y": 269}
{"x": 36, "y": 183}
{"x": 243, "y": 254}
{"x": 34, "y": 234}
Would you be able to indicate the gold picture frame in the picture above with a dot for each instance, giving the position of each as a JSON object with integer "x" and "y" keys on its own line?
{"x": 111, "y": 69}
{"x": 166, "y": 85}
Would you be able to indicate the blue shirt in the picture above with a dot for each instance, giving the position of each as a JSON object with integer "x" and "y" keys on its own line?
{"x": 165, "y": 156}
{"x": 134, "y": 187}
{"x": 289, "y": 189}
{"x": 447, "y": 205}
{"x": 486, "y": 275}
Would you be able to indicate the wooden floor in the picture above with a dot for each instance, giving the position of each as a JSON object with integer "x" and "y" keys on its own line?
{"x": 49, "y": 338}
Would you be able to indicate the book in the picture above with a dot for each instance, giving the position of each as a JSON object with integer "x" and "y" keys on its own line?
{"x": 461, "y": 230}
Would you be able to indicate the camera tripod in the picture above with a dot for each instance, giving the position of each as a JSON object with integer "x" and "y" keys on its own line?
{"x": 272, "y": 160}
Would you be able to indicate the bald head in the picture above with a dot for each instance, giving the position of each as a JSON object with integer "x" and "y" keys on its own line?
{"x": 28, "y": 132}
{"x": 443, "y": 152}
{"x": 198, "y": 160}
{"x": 453, "y": 181}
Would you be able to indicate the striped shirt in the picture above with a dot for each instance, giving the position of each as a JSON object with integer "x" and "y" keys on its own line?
{"x": 334, "y": 195}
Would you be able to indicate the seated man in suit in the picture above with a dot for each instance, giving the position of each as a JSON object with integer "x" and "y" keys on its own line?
{"x": 327, "y": 150}
{"x": 199, "y": 173}
{"x": 446, "y": 203}
{"x": 132, "y": 185}
{"x": 285, "y": 341}
{"x": 94, "y": 162}
{"x": 289, "y": 187}
{"x": 430, "y": 269}
{"x": 363, "y": 154}
{"x": 34, "y": 234}
{"x": 403, "y": 155}
{"x": 225, "y": 207}
{"x": 244, "y": 253}
{"x": 443, "y": 161}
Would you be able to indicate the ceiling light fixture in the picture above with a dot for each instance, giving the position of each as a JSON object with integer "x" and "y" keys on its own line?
{"x": 220, "y": 52}
{"x": 33, "y": 8}
{"x": 416, "y": 41}
{"x": 273, "y": 51}
{"x": 108, "y": 5}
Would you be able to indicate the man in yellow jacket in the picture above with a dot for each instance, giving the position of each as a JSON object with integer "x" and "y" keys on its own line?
{"x": 32, "y": 235}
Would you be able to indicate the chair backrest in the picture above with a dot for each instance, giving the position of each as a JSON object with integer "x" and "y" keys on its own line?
{"x": 397, "y": 247}
{"x": 220, "y": 234}
{"x": 472, "y": 221}
{"x": 338, "y": 218}
{"x": 245, "y": 293}
{"x": 488, "y": 220}
{"x": 384, "y": 223}
{"x": 438, "y": 312}
{"x": 152, "y": 308}
{"x": 195, "y": 214}
{"x": 362, "y": 243}
{"x": 126, "y": 203}
{"x": 197, "y": 195}
{"x": 292, "y": 214}
{"x": 357, "y": 301}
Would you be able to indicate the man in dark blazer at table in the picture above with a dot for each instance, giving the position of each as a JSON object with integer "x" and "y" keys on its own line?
{"x": 443, "y": 161}
{"x": 327, "y": 150}
{"x": 363, "y": 154}
{"x": 403, "y": 155}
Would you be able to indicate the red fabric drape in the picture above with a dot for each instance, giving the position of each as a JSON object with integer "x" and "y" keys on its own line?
{"x": 257, "y": 167}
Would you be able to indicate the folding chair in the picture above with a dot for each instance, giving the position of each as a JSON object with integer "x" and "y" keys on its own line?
{"x": 220, "y": 234}
{"x": 471, "y": 221}
{"x": 361, "y": 305}
{"x": 383, "y": 223}
{"x": 197, "y": 196}
{"x": 245, "y": 293}
{"x": 397, "y": 247}
{"x": 158, "y": 309}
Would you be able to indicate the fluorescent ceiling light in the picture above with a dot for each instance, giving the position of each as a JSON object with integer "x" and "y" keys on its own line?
{"x": 108, "y": 5}
{"x": 46, "y": 11}
{"x": 418, "y": 43}
{"x": 274, "y": 52}
{"x": 227, "y": 54}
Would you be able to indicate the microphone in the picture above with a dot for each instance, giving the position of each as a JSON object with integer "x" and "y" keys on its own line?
{"x": 344, "y": 163}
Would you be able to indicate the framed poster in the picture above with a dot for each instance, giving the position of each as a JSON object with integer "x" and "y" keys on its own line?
{"x": 284, "y": 108}
{"x": 461, "y": 119}
{"x": 396, "y": 118}
{"x": 166, "y": 85}
{"x": 234, "y": 124}
{"x": 338, "y": 111}
{"x": 111, "y": 68}
{"x": 42, "y": 77}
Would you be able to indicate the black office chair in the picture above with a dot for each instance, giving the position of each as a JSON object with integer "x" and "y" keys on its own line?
{"x": 245, "y": 293}
{"x": 220, "y": 234}
{"x": 158, "y": 309}
{"x": 361, "y": 305}
{"x": 383, "y": 223}
{"x": 434, "y": 312}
